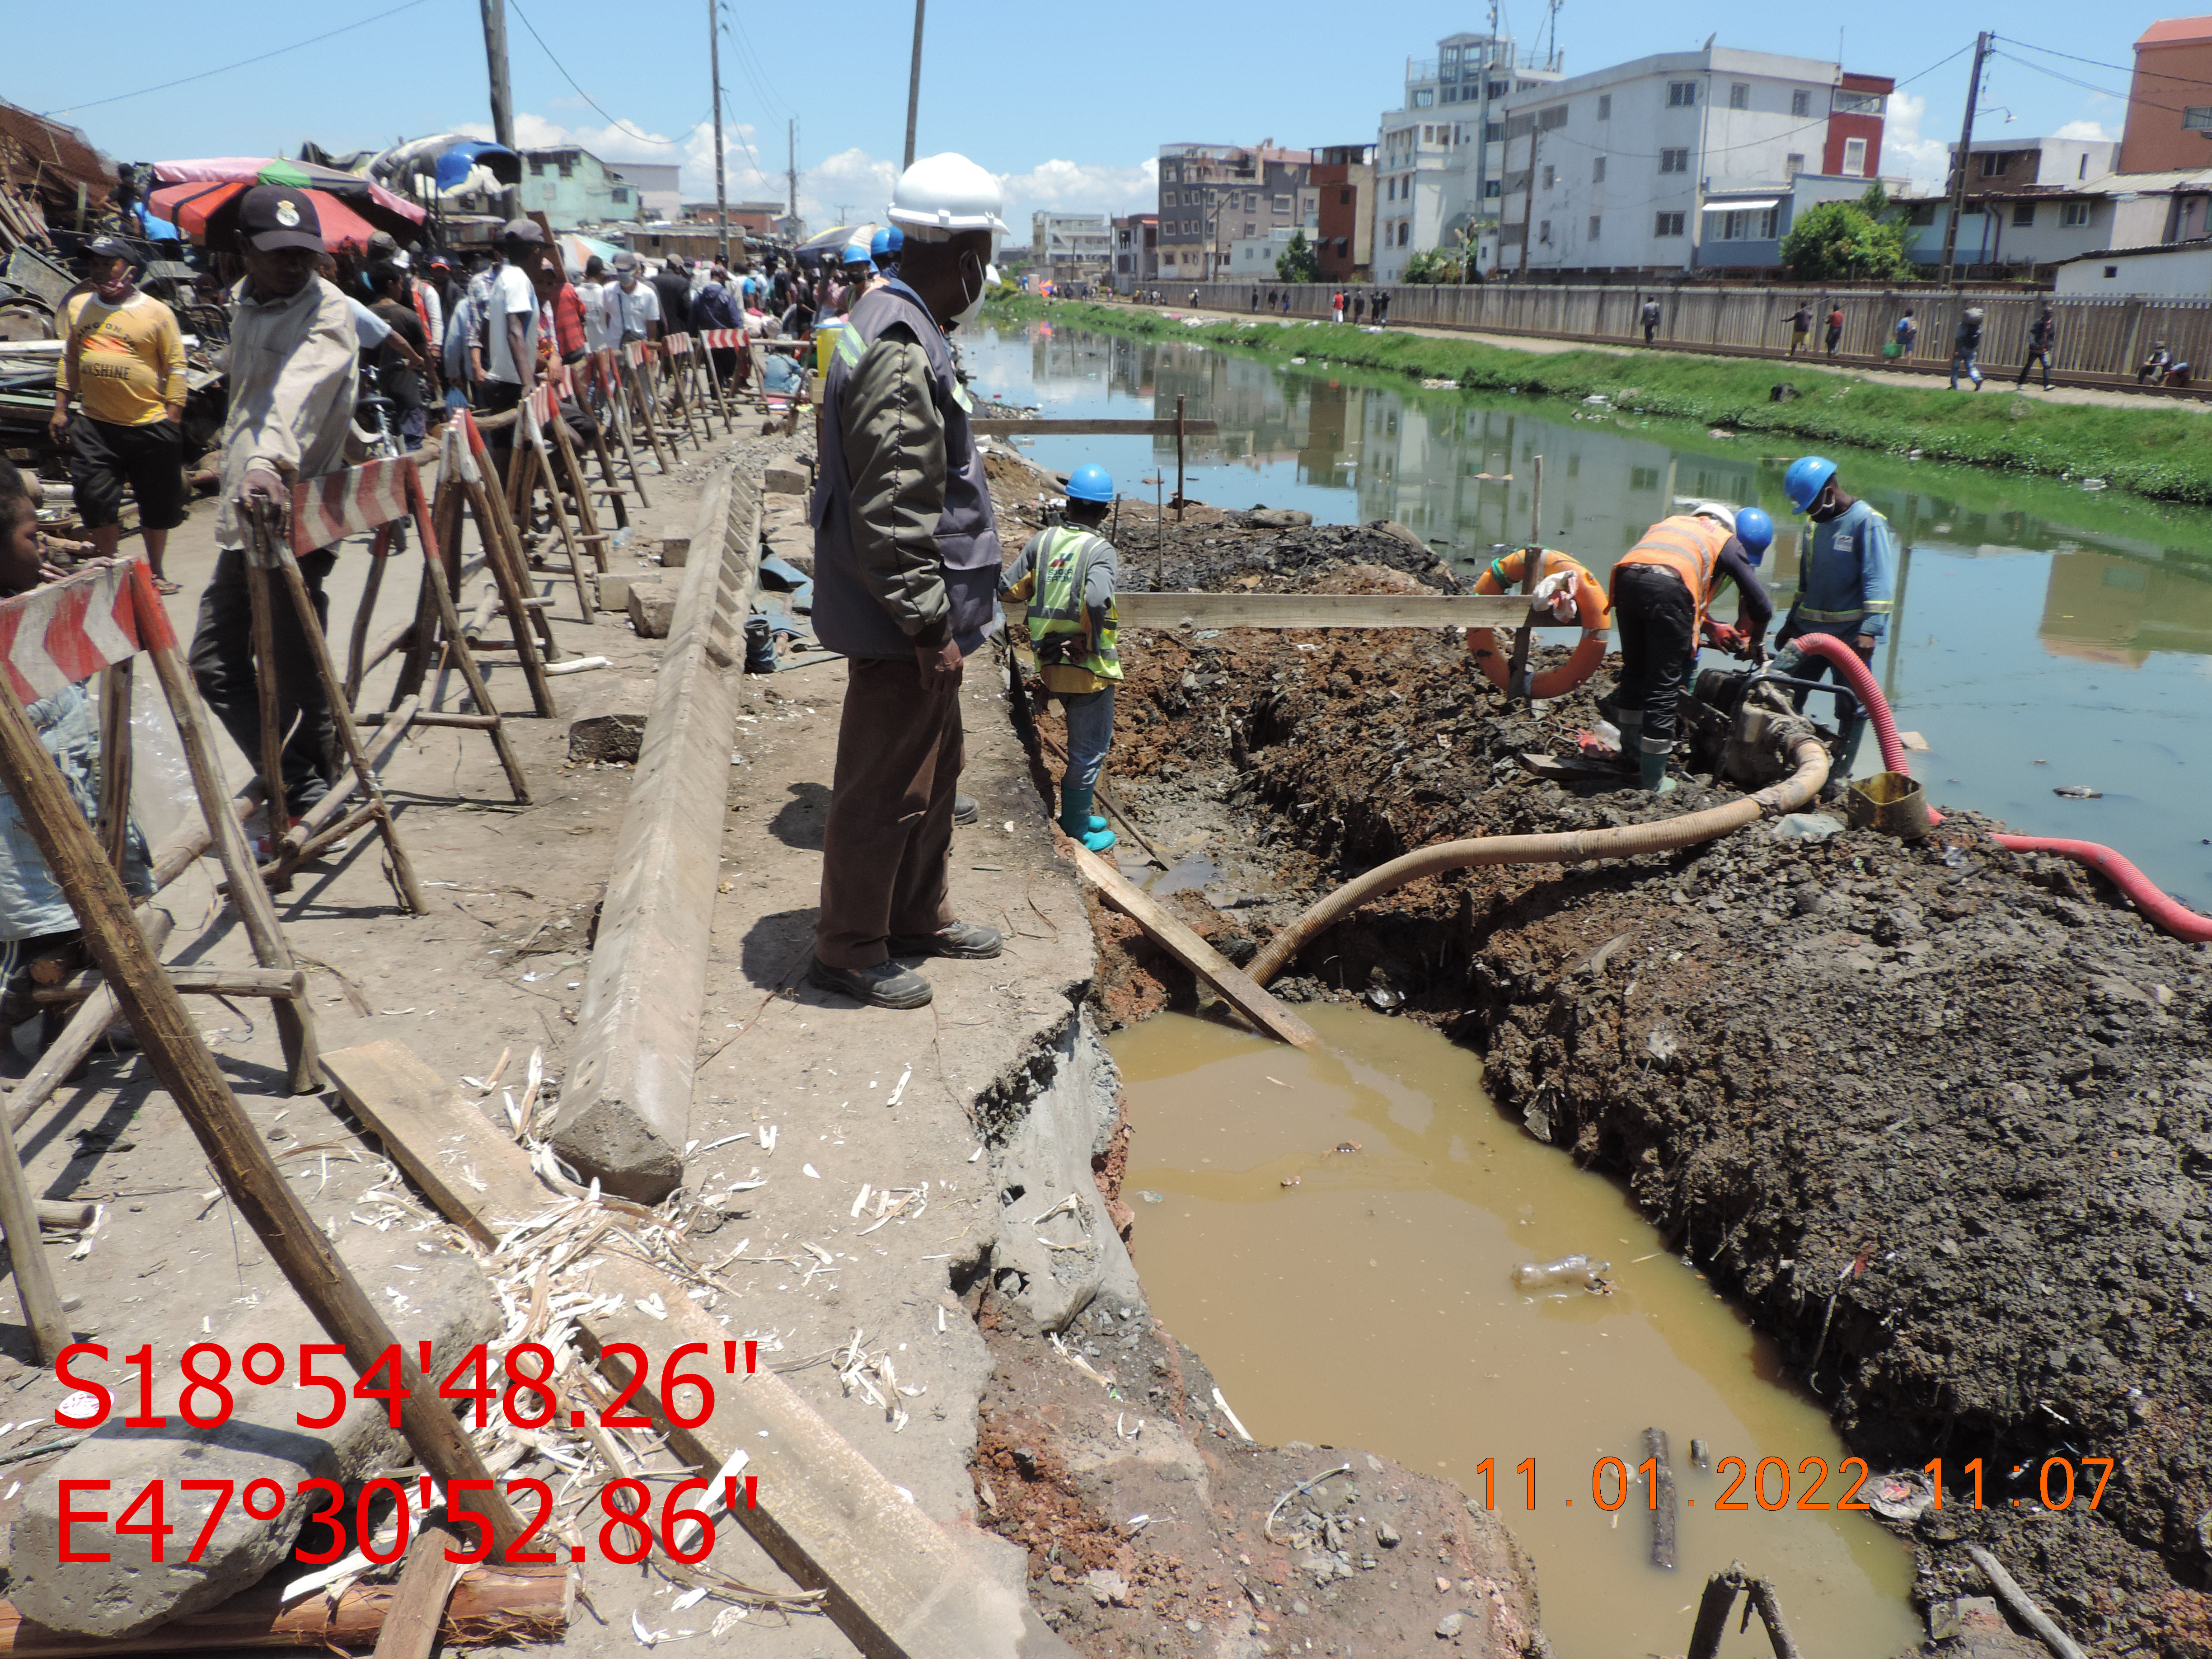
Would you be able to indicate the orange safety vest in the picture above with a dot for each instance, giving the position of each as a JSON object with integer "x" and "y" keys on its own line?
{"x": 1690, "y": 547}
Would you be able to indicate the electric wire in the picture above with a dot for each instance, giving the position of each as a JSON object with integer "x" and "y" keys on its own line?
{"x": 262, "y": 57}
{"x": 2097, "y": 63}
{"x": 621, "y": 126}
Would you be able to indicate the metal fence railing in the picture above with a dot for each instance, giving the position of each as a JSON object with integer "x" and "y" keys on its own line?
{"x": 2100, "y": 341}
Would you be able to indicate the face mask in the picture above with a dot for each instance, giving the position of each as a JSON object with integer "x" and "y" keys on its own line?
{"x": 985, "y": 277}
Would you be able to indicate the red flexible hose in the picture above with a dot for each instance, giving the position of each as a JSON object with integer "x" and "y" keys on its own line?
{"x": 1864, "y": 688}
{"x": 2178, "y": 919}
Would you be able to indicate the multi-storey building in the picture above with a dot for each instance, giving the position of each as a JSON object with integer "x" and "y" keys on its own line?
{"x": 1439, "y": 163}
{"x": 1212, "y": 196}
{"x": 1688, "y": 160}
{"x": 1072, "y": 247}
{"x": 1136, "y": 250}
{"x": 573, "y": 187}
{"x": 1344, "y": 185}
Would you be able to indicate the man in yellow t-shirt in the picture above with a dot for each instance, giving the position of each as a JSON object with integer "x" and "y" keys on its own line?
{"x": 123, "y": 359}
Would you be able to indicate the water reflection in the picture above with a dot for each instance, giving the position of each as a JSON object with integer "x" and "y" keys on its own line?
{"x": 2034, "y": 621}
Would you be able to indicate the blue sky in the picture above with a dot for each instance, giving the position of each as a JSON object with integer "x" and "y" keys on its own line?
{"x": 1068, "y": 103}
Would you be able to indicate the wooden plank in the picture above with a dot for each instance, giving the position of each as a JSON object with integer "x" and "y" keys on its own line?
{"x": 1328, "y": 611}
{"x": 426, "y": 1583}
{"x": 998, "y": 428}
{"x": 626, "y": 1095}
{"x": 200, "y": 980}
{"x": 1195, "y": 953}
{"x": 898, "y": 1587}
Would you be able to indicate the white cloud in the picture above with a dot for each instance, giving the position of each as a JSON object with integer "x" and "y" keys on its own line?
{"x": 2093, "y": 132}
{"x": 694, "y": 151}
{"x": 1925, "y": 161}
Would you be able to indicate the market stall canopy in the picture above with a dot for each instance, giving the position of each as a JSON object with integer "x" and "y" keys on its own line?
{"x": 452, "y": 161}
{"x": 833, "y": 242}
{"x": 365, "y": 197}
{"x": 576, "y": 250}
{"x": 208, "y": 214}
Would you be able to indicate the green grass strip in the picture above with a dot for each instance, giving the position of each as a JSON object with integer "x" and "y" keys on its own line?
{"x": 2163, "y": 451}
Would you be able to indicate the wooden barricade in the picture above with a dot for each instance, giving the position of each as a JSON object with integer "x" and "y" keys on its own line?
{"x": 599, "y": 386}
{"x": 55, "y": 637}
{"x": 532, "y": 464}
{"x": 684, "y": 387}
{"x": 712, "y": 340}
{"x": 634, "y": 363}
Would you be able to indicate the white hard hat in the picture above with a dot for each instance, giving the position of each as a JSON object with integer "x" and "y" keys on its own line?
{"x": 1719, "y": 510}
{"x": 945, "y": 195}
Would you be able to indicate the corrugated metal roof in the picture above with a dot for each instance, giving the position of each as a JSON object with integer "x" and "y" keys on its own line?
{"x": 61, "y": 157}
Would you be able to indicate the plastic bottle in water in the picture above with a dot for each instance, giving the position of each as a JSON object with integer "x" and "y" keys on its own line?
{"x": 1568, "y": 1272}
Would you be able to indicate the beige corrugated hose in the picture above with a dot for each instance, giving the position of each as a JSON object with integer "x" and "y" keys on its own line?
{"x": 1568, "y": 847}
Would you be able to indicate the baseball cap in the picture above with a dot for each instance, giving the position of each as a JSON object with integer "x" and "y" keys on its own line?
{"x": 273, "y": 217}
{"x": 524, "y": 231}
{"x": 113, "y": 247}
{"x": 625, "y": 260}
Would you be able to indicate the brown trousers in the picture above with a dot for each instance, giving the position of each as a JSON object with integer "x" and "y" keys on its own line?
{"x": 885, "y": 849}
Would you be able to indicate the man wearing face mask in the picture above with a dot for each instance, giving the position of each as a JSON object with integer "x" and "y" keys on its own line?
{"x": 1845, "y": 586}
{"x": 123, "y": 359}
{"x": 907, "y": 562}
{"x": 293, "y": 368}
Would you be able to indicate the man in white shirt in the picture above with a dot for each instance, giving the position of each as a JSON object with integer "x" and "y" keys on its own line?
{"x": 633, "y": 308}
{"x": 592, "y": 291}
{"x": 511, "y": 331}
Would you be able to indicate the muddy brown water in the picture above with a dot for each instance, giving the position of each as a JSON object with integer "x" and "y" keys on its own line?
{"x": 1371, "y": 1304}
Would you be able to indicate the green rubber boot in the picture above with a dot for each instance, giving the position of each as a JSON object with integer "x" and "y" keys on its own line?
{"x": 1654, "y": 777}
{"x": 1075, "y": 818}
{"x": 1632, "y": 736}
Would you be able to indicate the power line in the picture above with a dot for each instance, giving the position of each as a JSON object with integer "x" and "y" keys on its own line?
{"x": 71, "y": 109}
{"x": 643, "y": 138}
{"x": 2093, "y": 63}
{"x": 2072, "y": 81}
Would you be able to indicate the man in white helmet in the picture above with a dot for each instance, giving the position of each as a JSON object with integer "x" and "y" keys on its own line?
{"x": 906, "y": 571}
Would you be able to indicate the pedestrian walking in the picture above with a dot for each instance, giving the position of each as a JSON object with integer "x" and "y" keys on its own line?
{"x": 2041, "y": 341}
{"x": 1651, "y": 314}
{"x": 1906, "y": 333}
{"x": 1336, "y": 305}
{"x": 1835, "y": 329}
{"x": 907, "y": 562}
{"x": 293, "y": 374}
{"x": 1382, "y": 307}
{"x": 123, "y": 359}
{"x": 1801, "y": 325}
{"x": 1967, "y": 347}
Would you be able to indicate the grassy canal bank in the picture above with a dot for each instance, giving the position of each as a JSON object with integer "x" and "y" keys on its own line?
{"x": 2163, "y": 450}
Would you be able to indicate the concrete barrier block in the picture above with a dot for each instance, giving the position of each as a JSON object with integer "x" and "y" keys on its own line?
{"x": 784, "y": 481}
{"x": 675, "y": 551}
{"x": 447, "y": 1302}
{"x": 652, "y": 610}
{"x": 614, "y": 592}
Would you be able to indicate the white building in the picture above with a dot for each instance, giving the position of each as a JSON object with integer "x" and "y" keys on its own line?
{"x": 1072, "y": 246}
{"x": 1681, "y": 161}
{"x": 2037, "y": 201}
{"x": 1437, "y": 178}
{"x": 2181, "y": 272}
{"x": 1253, "y": 258}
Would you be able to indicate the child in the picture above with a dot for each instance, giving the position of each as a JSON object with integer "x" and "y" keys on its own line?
{"x": 1067, "y": 575}
{"x": 37, "y": 925}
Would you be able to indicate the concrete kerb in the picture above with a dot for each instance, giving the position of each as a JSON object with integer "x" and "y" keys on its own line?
{"x": 628, "y": 1101}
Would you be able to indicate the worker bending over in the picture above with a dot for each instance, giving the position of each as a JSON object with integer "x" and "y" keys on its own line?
{"x": 1066, "y": 574}
{"x": 1662, "y": 589}
{"x": 1845, "y": 586}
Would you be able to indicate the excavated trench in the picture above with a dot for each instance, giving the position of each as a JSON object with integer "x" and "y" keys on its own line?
{"x": 1939, "y": 1117}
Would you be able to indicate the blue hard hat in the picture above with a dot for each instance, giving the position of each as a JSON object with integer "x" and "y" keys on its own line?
{"x": 1808, "y": 477}
{"x": 886, "y": 243}
{"x": 1755, "y": 531}
{"x": 1089, "y": 482}
{"x": 856, "y": 253}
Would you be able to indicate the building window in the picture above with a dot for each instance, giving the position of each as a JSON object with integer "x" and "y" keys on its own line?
{"x": 2073, "y": 214}
{"x": 1405, "y": 231}
{"x": 2197, "y": 117}
{"x": 1424, "y": 98}
{"x": 1597, "y": 170}
{"x": 1548, "y": 175}
{"x": 1993, "y": 164}
{"x": 1282, "y": 203}
{"x": 1167, "y": 175}
{"x": 537, "y": 168}
{"x": 1681, "y": 94}
{"x": 1344, "y": 199}
{"x": 2023, "y": 213}
{"x": 1666, "y": 224}
{"x": 1794, "y": 166}
{"x": 2110, "y": 271}
{"x": 1494, "y": 133}
{"x": 1856, "y": 103}
{"x": 1604, "y": 106}
{"x": 1855, "y": 158}
{"x": 1801, "y": 102}
{"x": 1492, "y": 189}
{"x": 568, "y": 167}
{"x": 1595, "y": 223}
{"x": 1544, "y": 231}
{"x": 619, "y": 194}
{"x": 1675, "y": 160}
{"x": 1747, "y": 225}
{"x": 1250, "y": 229}
{"x": 1740, "y": 94}
{"x": 1428, "y": 135}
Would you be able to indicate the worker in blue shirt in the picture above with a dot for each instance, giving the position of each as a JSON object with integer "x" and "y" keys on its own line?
{"x": 1846, "y": 583}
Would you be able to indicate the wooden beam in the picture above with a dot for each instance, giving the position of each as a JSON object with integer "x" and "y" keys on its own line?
{"x": 1195, "y": 953}
{"x": 996, "y": 429}
{"x": 1328, "y": 610}
{"x": 207, "y": 981}
{"x": 898, "y": 1589}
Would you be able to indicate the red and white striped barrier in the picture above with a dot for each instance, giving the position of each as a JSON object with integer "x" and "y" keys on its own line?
{"x": 679, "y": 345}
{"x": 638, "y": 351}
{"x": 58, "y": 636}
{"x": 328, "y": 510}
{"x": 723, "y": 339}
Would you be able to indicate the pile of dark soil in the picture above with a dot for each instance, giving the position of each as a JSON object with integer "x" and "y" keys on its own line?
{"x": 1941, "y": 1116}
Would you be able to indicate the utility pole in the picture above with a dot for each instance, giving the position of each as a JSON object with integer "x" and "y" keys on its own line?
{"x": 913, "y": 86}
{"x": 721, "y": 195}
{"x": 1529, "y": 201}
{"x": 503, "y": 101}
{"x": 791, "y": 174}
{"x": 1959, "y": 168}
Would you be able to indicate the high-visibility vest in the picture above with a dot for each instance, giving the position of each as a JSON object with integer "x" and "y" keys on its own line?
{"x": 1688, "y": 545}
{"x": 1059, "y": 622}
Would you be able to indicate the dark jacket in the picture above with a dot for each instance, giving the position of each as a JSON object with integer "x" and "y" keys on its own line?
{"x": 674, "y": 289}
